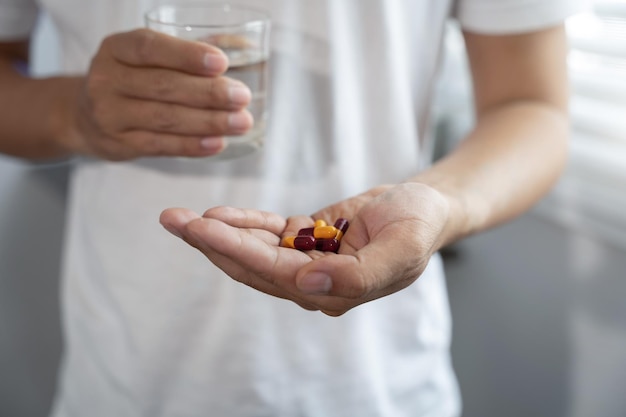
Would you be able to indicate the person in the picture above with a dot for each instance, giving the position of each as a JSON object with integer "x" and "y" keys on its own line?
{"x": 151, "y": 327}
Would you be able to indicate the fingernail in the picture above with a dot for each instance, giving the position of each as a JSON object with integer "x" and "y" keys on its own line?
{"x": 239, "y": 94}
{"x": 213, "y": 143}
{"x": 214, "y": 62}
{"x": 239, "y": 121}
{"x": 315, "y": 283}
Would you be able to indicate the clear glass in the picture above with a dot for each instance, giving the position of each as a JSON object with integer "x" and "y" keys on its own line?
{"x": 243, "y": 34}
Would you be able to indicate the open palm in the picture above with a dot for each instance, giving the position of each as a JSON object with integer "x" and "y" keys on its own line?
{"x": 394, "y": 230}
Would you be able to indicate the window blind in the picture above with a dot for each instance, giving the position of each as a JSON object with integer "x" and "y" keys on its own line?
{"x": 592, "y": 192}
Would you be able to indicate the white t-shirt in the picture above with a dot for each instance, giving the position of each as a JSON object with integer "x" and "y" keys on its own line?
{"x": 153, "y": 329}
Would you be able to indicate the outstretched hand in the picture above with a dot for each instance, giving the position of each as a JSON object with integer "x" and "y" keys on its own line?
{"x": 393, "y": 232}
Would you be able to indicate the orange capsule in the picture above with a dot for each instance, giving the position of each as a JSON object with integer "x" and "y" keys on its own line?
{"x": 320, "y": 223}
{"x": 288, "y": 242}
{"x": 325, "y": 232}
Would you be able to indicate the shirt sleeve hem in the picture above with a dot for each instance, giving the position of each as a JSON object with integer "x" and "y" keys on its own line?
{"x": 522, "y": 17}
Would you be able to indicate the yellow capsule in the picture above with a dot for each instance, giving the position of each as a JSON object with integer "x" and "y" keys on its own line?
{"x": 325, "y": 232}
{"x": 288, "y": 242}
{"x": 320, "y": 223}
{"x": 339, "y": 235}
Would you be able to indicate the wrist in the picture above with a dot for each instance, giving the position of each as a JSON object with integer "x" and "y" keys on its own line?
{"x": 63, "y": 118}
{"x": 452, "y": 210}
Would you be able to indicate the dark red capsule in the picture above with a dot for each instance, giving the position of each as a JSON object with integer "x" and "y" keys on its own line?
{"x": 304, "y": 242}
{"x": 342, "y": 225}
{"x": 327, "y": 245}
{"x": 307, "y": 231}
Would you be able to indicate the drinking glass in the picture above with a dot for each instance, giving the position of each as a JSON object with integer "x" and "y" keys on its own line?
{"x": 243, "y": 34}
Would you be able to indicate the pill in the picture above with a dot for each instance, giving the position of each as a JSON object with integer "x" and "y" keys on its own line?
{"x": 320, "y": 223}
{"x": 342, "y": 226}
{"x": 288, "y": 242}
{"x": 325, "y": 232}
{"x": 327, "y": 245}
{"x": 304, "y": 242}
{"x": 307, "y": 231}
{"x": 321, "y": 237}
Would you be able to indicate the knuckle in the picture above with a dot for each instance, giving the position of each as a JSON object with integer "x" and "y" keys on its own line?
{"x": 144, "y": 143}
{"x": 112, "y": 148}
{"x": 164, "y": 118}
{"x": 144, "y": 44}
{"x": 162, "y": 85}
{"x": 155, "y": 146}
{"x": 100, "y": 114}
{"x": 212, "y": 89}
{"x": 108, "y": 41}
{"x": 96, "y": 84}
{"x": 216, "y": 123}
{"x": 359, "y": 288}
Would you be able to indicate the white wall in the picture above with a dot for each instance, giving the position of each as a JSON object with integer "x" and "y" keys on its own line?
{"x": 539, "y": 325}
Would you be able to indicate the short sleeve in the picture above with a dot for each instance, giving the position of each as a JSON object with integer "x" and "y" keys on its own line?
{"x": 514, "y": 16}
{"x": 17, "y": 19}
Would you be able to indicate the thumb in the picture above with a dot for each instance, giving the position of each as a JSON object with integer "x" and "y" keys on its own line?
{"x": 377, "y": 269}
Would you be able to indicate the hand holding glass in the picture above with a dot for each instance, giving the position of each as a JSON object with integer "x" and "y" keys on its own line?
{"x": 243, "y": 35}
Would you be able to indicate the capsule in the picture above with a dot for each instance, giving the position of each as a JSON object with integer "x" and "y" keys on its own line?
{"x": 307, "y": 231}
{"x": 342, "y": 226}
{"x": 325, "y": 232}
{"x": 327, "y": 245}
{"x": 288, "y": 242}
{"x": 320, "y": 223}
{"x": 304, "y": 242}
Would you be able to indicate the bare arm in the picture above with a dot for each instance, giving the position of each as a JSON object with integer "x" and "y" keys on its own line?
{"x": 517, "y": 149}
{"x": 33, "y": 111}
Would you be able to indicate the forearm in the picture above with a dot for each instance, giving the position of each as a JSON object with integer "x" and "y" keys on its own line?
{"x": 35, "y": 117}
{"x": 506, "y": 164}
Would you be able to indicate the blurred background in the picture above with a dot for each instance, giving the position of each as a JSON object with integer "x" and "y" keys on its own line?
{"x": 539, "y": 305}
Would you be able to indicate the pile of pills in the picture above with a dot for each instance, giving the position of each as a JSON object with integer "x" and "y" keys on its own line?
{"x": 320, "y": 237}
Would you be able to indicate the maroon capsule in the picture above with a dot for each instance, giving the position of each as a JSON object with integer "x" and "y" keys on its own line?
{"x": 307, "y": 231}
{"x": 327, "y": 245}
{"x": 342, "y": 225}
{"x": 304, "y": 242}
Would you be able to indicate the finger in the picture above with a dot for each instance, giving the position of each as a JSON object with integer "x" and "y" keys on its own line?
{"x": 296, "y": 223}
{"x": 259, "y": 248}
{"x": 254, "y": 261}
{"x": 147, "y": 48}
{"x": 179, "y": 120}
{"x": 159, "y": 84}
{"x": 264, "y": 259}
{"x": 143, "y": 143}
{"x": 240, "y": 274}
{"x": 248, "y": 218}
{"x": 176, "y": 221}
